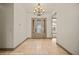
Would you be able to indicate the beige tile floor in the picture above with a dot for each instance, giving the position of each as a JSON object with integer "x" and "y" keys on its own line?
{"x": 37, "y": 47}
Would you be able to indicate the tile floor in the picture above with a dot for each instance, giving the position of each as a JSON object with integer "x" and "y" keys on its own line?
{"x": 37, "y": 47}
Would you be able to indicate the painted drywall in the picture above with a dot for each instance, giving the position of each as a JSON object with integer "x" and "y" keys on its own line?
{"x": 15, "y": 24}
{"x": 20, "y": 24}
{"x": 6, "y": 25}
{"x": 68, "y": 26}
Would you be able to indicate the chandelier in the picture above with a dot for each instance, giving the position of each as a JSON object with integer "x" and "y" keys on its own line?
{"x": 38, "y": 10}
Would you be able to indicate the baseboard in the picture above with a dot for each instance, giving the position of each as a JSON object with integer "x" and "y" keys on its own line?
{"x": 11, "y": 49}
{"x": 7, "y": 49}
{"x": 64, "y": 48}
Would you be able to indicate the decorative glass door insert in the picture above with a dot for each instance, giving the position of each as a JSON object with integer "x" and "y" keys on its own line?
{"x": 39, "y": 27}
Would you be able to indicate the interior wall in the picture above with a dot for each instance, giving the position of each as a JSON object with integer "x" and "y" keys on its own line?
{"x": 20, "y": 24}
{"x": 6, "y": 25}
{"x": 15, "y": 24}
{"x": 68, "y": 26}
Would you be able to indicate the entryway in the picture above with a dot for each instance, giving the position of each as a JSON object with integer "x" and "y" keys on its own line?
{"x": 39, "y": 28}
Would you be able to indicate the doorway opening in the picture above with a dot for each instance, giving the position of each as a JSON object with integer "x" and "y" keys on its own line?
{"x": 39, "y": 28}
{"x": 54, "y": 26}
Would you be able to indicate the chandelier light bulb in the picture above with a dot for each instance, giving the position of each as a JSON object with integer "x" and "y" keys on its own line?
{"x": 38, "y": 10}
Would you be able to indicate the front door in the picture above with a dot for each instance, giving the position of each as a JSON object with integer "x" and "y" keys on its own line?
{"x": 38, "y": 27}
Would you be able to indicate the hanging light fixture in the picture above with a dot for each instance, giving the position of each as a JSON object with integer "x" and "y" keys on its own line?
{"x": 38, "y": 10}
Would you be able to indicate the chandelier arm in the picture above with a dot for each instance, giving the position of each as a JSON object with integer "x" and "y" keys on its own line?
{"x": 38, "y": 10}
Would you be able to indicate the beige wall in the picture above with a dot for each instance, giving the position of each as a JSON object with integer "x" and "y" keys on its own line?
{"x": 68, "y": 26}
{"x": 6, "y": 25}
{"x": 20, "y": 24}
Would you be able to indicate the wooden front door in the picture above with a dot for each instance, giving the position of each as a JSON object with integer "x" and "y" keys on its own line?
{"x": 38, "y": 27}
